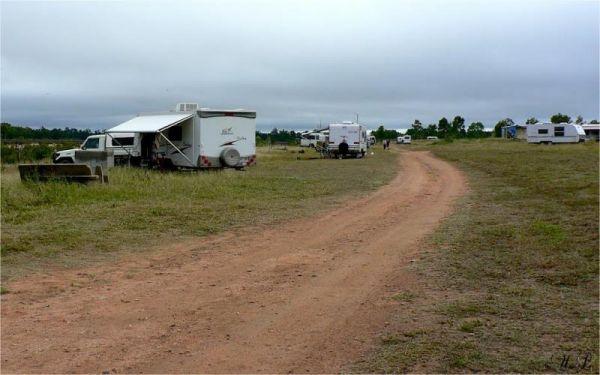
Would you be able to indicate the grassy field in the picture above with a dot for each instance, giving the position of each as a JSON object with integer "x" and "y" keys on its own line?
{"x": 510, "y": 282}
{"x": 67, "y": 224}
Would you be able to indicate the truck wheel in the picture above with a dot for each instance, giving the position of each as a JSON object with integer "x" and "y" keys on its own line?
{"x": 64, "y": 161}
{"x": 230, "y": 157}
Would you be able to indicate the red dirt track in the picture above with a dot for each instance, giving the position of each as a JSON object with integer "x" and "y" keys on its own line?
{"x": 309, "y": 295}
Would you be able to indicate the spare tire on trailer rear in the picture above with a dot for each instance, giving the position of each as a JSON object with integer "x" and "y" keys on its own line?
{"x": 230, "y": 157}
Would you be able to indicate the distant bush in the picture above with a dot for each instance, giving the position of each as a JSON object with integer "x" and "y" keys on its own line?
{"x": 289, "y": 136}
{"x": 11, "y": 153}
{"x": 13, "y": 132}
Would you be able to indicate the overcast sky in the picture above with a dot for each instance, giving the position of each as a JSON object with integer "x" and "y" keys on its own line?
{"x": 96, "y": 64}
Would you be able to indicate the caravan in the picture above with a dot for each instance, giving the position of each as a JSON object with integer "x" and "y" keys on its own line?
{"x": 347, "y": 138}
{"x": 555, "y": 133}
{"x": 192, "y": 137}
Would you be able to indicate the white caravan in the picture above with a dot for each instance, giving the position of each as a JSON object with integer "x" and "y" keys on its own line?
{"x": 353, "y": 135}
{"x": 404, "y": 139}
{"x": 190, "y": 137}
{"x": 311, "y": 139}
{"x": 555, "y": 133}
{"x": 124, "y": 146}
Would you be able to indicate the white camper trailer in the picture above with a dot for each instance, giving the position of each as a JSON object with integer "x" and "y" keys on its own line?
{"x": 404, "y": 139}
{"x": 555, "y": 133}
{"x": 353, "y": 135}
{"x": 190, "y": 137}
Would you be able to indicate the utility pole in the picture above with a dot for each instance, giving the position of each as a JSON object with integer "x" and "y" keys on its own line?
{"x": 356, "y": 117}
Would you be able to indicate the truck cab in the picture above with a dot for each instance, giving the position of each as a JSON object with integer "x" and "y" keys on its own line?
{"x": 93, "y": 142}
{"x": 312, "y": 139}
{"x": 124, "y": 146}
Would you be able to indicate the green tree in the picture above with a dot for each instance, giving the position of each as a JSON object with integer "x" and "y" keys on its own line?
{"x": 458, "y": 127}
{"x": 502, "y": 123}
{"x": 559, "y": 118}
{"x": 431, "y": 130}
{"x": 382, "y": 133}
{"x": 579, "y": 120}
{"x": 417, "y": 131}
{"x": 475, "y": 130}
{"x": 443, "y": 127}
{"x": 531, "y": 120}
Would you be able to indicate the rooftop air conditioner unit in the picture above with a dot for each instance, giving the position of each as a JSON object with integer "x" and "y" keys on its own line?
{"x": 186, "y": 107}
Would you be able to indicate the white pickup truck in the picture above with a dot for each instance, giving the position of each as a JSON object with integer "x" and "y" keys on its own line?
{"x": 124, "y": 147}
{"x": 312, "y": 139}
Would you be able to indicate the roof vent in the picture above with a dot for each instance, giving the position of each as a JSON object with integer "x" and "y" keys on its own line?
{"x": 186, "y": 107}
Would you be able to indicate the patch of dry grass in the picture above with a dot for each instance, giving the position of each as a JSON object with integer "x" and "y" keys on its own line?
{"x": 510, "y": 281}
{"x": 67, "y": 224}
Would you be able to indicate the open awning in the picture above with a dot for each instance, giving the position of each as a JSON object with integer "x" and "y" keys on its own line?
{"x": 150, "y": 123}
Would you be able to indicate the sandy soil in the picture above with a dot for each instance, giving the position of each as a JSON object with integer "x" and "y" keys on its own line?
{"x": 307, "y": 296}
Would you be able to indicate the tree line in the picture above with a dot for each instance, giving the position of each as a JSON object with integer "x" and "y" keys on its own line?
{"x": 276, "y": 135}
{"x": 12, "y": 132}
{"x": 458, "y": 129}
{"x": 443, "y": 129}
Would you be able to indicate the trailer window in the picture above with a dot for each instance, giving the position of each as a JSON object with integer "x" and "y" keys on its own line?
{"x": 559, "y": 131}
{"x": 91, "y": 143}
{"x": 175, "y": 133}
{"x": 542, "y": 131}
{"x": 122, "y": 141}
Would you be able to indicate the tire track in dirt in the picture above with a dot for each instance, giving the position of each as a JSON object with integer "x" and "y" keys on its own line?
{"x": 307, "y": 296}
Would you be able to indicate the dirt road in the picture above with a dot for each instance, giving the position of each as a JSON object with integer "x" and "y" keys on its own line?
{"x": 306, "y": 296}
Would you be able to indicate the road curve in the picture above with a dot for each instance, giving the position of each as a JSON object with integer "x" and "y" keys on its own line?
{"x": 305, "y": 296}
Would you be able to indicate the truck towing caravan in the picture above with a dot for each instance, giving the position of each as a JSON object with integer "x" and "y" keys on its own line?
{"x": 189, "y": 137}
{"x": 347, "y": 138}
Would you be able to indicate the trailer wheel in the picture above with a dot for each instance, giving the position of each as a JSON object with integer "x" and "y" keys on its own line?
{"x": 230, "y": 157}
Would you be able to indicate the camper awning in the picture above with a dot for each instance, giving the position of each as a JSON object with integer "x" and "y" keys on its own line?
{"x": 150, "y": 123}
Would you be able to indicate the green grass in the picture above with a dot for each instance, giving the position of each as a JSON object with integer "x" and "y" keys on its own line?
{"x": 406, "y": 296}
{"x": 510, "y": 281}
{"x": 67, "y": 224}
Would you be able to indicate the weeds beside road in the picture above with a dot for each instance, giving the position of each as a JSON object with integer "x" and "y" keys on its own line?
{"x": 510, "y": 282}
{"x": 69, "y": 223}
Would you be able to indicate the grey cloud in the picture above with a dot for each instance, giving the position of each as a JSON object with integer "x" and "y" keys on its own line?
{"x": 93, "y": 65}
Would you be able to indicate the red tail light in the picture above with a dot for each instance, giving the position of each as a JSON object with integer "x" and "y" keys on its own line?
{"x": 204, "y": 162}
{"x": 251, "y": 160}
